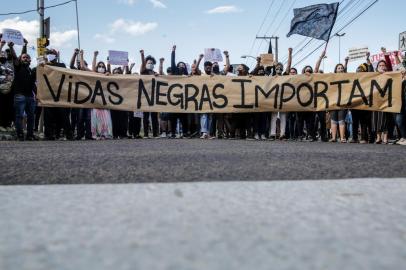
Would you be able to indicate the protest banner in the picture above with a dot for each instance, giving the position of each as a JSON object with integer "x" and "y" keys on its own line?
{"x": 266, "y": 59}
{"x": 59, "y": 87}
{"x": 118, "y": 57}
{"x": 355, "y": 54}
{"x": 213, "y": 55}
{"x": 11, "y": 35}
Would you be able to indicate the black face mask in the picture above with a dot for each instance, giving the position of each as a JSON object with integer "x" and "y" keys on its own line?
{"x": 3, "y": 60}
{"x": 216, "y": 70}
{"x": 182, "y": 70}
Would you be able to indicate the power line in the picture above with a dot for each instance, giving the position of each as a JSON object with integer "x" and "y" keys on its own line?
{"x": 346, "y": 25}
{"x": 35, "y": 10}
{"x": 260, "y": 27}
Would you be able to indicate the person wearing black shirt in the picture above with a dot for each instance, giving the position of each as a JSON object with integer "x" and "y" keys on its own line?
{"x": 56, "y": 118}
{"x": 24, "y": 93}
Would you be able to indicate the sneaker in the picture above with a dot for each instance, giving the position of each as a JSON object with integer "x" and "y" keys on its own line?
{"x": 401, "y": 142}
{"x": 363, "y": 142}
{"x": 179, "y": 136}
{"x": 31, "y": 138}
{"x": 2, "y": 129}
{"x": 204, "y": 136}
{"x": 256, "y": 137}
{"x": 163, "y": 135}
{"x": 263, "y": 137}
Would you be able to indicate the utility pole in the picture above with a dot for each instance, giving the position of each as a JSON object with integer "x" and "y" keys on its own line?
{"x": 270, "y": 45}
{"x": 41, "y": 17}
{"x": 77, "y": 22}
{"x": 339, "y": 45}
{"x": 41, "y": 49}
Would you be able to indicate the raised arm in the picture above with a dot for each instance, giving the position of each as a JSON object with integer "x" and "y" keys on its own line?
{"x": 387, "y": 59}
{"x": 13, "y": 54}
{"x": 73, "y": 59}
{"x": 131, "y": 68}
{"x": 198, "y": 61}
{"x": 108, "y": 65}
{"x": 24, "y": 49}
{"x": 143, "y": 64}
{"x": 317, "y": 68}
{"x": 255, "y": 71}
{"x": 2, "y": 43}
{"x": 227, "y": 67}
{"x": 173, "y": 62}
{"x": 397, "y": 58}
{"x": 289, "y": 66}
{"x": 94, "y": 60}
{"x": 369, "y": 63}
{"x": 346, "y": 63}
{"x": 161, "y": 66}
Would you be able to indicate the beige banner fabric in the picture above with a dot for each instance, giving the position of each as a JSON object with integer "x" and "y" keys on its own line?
{"x": 59, "y": 87}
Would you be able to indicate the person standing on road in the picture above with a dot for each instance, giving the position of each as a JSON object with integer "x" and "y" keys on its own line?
{"x": 147, "y": 68}
{"x": 100, "y": 118}
{"x": 24, "y": 93}
{"x": 338, "y": 116}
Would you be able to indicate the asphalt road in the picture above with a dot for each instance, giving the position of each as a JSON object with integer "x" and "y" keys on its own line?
{"x": 134, "y": 161}
{"x": 355, "y": 224}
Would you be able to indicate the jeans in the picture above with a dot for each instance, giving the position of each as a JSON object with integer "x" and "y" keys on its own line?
{"x": 27, "y": 104}
{"x": 205, "y": 122}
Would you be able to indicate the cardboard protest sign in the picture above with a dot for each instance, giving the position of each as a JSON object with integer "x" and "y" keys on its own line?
{"x": 11, "y": 35}
{"x": 267, "y": 59}
{"x": 118, "y": 58}
{"x": 380, "y": 56}
{"x": 59, "y": 87}
{"x": 213, "y": 55}
{"x": 357, "y": 53}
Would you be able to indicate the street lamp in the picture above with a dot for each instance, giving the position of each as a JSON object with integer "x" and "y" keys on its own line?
{"x": 339, "y": 45}
{"x": 248, "y": 56}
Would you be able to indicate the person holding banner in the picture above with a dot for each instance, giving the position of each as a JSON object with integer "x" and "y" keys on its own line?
{"x": 362, "y": 118}
{"x": 305, "y": 117}
{"x": 401, "y": 117}
{"x": 147, "y": 68}
{"x": 380, "y": 120}
{"x": 100, "y": 118}
{"x": 338, "y": 117}
{"x": 178, "y": 69}
{"x": 260, "y": 118}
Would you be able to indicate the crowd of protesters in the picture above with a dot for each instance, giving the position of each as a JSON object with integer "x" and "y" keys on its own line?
{"x": 19, "y": 112}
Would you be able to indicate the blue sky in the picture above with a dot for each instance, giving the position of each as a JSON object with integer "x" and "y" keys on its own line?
{"x": 155, "y": 25}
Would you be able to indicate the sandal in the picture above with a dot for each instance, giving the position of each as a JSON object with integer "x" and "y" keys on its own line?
{"x": 343, "y": 141}
{"x": 332, "y": 140}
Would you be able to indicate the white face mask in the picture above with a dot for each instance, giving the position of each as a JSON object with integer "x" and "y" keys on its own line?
{"x": 101, "y": 70}
{"x": 51, "y": 57}
{"x": 150, "y": 66}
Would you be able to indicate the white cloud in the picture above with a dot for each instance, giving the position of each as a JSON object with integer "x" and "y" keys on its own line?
{"x": 157, "y": 4}
{"x": 224, "y": 9}
{"x": 128, "y": 2}
{"x": 104, "y": 38}
{"x": 62, "y": 39}
{"x": 30, "y": 31}
{"x": 131, "y": 27}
